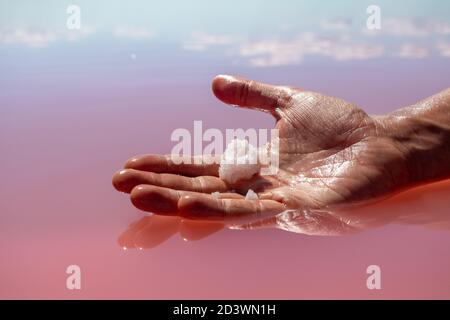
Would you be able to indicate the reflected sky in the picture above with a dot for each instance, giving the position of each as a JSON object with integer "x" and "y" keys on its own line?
{"x": 410, "y": 29}
{"x": 75, "y": 105}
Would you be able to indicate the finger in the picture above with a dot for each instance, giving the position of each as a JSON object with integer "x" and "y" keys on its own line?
{"x": 165, "y": 164}
{"x": 162, "y": 200}
{"x": 270, "y": 222}
{"x": 229, "y": 195}
{"x": 251, "y": 94}
{"x": 207, "y": 208}
{"x": 126, "y": 180}
{"x": 195, "y": 205}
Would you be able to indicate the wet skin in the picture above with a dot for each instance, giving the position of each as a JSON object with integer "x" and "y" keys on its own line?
{"x": 332, "y": 155}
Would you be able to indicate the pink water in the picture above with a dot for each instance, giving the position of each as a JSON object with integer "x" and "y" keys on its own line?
{"x": 65, "y": 132}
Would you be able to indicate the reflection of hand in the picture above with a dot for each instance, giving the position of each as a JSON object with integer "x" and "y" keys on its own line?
{"x": 150, "y": 231}
{"x": 332, "y": 154}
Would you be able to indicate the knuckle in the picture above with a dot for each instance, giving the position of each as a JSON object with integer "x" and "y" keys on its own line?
{"x": 244, "y": 90}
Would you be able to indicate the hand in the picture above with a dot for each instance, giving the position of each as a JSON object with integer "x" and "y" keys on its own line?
{"x": 332, "y": 155}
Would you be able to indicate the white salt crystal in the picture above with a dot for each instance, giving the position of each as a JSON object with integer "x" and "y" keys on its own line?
{"x": 251, "y": 195}
{"x": 239, "y": 161}
{"x": 216, "y": 194}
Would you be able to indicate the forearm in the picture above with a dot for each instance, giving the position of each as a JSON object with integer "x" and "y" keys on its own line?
{"x": 422, "y": 132}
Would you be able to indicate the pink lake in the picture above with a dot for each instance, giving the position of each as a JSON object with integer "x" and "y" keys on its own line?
{"x": 72, "y": 114}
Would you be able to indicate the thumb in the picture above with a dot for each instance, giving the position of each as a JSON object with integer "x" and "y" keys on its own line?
{"x": 250, "y": 94}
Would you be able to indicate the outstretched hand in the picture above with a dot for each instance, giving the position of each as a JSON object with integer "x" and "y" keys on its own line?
{"x": 331, "y": 153}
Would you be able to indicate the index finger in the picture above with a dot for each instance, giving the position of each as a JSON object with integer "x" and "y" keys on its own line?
{"x": 157, "y": 163}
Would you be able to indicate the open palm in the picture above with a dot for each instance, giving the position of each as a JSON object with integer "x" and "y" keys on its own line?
{"x": 332, "y": 154}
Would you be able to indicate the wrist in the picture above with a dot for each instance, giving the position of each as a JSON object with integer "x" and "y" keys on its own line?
{"x": 423, "y": 142}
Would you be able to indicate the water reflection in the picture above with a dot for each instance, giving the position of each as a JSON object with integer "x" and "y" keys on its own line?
{"x": 150, "y": 231}
{"x": 426, "y": 206}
